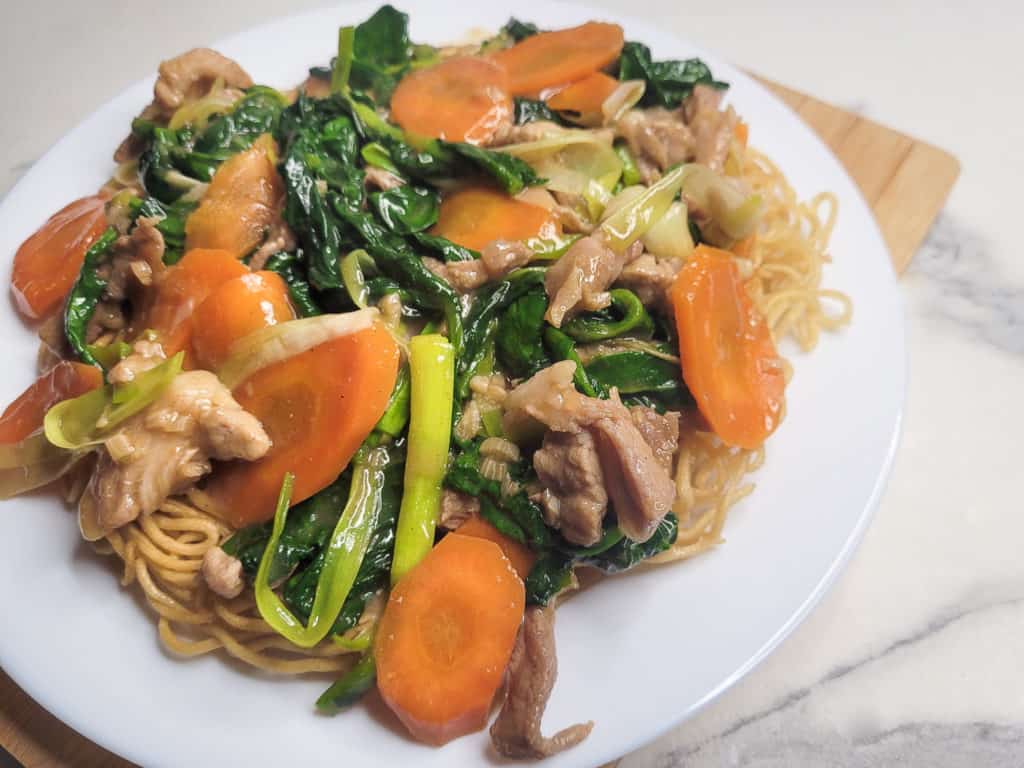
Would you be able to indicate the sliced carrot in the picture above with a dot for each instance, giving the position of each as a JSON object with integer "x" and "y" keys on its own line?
{"x": 241, "y": 203}
{"x": 552, "y": 59}
{"x": 741, "y": 132}
{"x": 585, "y": 96}
{"x": 729, "y": 360}
{"x": 172, "y": 302}
{"x": 235, "y": 309}
{"x": 465, "y": 98}
{"x": 317, "y": 407}
{"x": 46, "y": 265}
{"x": 64, "y": 381}
{"x": 519, "y": 555}
{"x": 446, "y": 636}
{"x": 476, "y": 216}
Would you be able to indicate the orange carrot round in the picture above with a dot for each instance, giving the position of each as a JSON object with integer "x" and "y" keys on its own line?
{"x": 317, "y": 407}
{"x": 446, "y": 636}
{"x": 235, "y": 309}
{"x": 46, "y": 265}
{"x": 519, "y": 555}
{"x": 240, "y": 204}
{"x": 171, "y": 304}
{"x": 585, "y": 96}
{"x": 553, "y": 59}
{"x": 465, "y": 98}
{"x": 476, "y": 216}
{"x": 728, "y": 357}
{"x": 64, "y": 381}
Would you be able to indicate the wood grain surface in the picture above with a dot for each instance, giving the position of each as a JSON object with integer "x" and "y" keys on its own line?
{"x": 905, "y": 182}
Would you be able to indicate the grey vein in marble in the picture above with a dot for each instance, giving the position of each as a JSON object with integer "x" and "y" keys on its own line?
{"x": 777, "y": 751}
{"x": 968, "y": 289}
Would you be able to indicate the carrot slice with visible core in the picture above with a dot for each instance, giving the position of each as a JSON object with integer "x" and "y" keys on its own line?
{"x": 64, "y": 381}
{"x": 171, "y": 305}
{"x": 728, "y": 357}
{"x": 317, "y": 407}
{"x": 461, "y": 99}
{"x": 235, "y": 309}
{"x": 518, "y": 554}
{"x": 446, "y": 636}
{"x": 240, "y": 204}
{"x": 585, "y": 96}
{"x": 553, "y": 59}
{"x": 476, "y": 216}
{"x": 46, "y": 265}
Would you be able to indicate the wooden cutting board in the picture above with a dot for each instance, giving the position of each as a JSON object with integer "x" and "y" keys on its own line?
{"x": 905, "y": 182}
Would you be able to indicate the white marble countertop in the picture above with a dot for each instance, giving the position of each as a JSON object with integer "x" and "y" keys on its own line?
{"x": 914, "y": 657}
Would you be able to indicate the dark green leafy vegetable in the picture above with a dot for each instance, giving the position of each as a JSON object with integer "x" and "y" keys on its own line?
{"x": 407, "y": 209}
{"x": 552, "y": 572}
{"x": 159, "y": 169}
{"x": 350, "y": 687}
{"x": 529, "y": 110}
{"x": 397, "y": 259}
{"x": 307, "y": 529}
{"x": 320, "y": 144}
{"x": 292, "y": 270}
{"x": 444, "y": 247}
{"x": 562, "y": 347}
{"x": 256, "y": 113}
{"x": 85, "y": 295}
{"x": 396, "y": 415}
{"x": 519, "y": 30}
{"x": 513, "y": 174}
{"x": 374, "y": 572}
{"x": 598, "y": 326}
{"x": 668, "y": 82}
{"x": 634, "y": 372}
{"x": 170, "y": 223}
{"x": 518, "y": 342}
{"x": 482, "y": 322}
{"x": 515, "y": 516}
{"x": 380, "y": 53}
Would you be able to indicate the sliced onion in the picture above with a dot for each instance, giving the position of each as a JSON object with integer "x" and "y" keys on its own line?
{"x": 275, "y": 343}
{"x": 669, "y": 237}
{"x": 626, "y": 96}
{"x": 32, "y": 463}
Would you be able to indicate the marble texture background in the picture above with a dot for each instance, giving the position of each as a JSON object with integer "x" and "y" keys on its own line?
{"x": 914, "y": 658}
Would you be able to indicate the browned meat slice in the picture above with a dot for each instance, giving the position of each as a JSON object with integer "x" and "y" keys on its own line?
{"x": 456, "y": 508}
{"x": 660, "y": 431}
{"x": 222, "y": 573}
{"x": 137, "y": 259}
{"x": 574, "y": 498}
{"x": 496, "y": 260}
{"x": 636, "y": 480}
{"x": 712, "y": 128}
{"x": 579, "y": 280}
{"x": 165, "y": 449}
{"x": 650, "y": 278}
{"x": 638, "y": 485}
{"x": 549, "y": 399}
{"x": 657, "y": 138}
{"x": 532, "y": 671}
{"x": 184, "y": 78}
{"x": 190, "y": 76}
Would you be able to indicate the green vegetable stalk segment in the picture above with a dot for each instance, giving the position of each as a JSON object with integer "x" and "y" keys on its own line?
{"x": 343, "y": 554}
{"x": 432, "y": 370}
{"x": 349, "y": 687}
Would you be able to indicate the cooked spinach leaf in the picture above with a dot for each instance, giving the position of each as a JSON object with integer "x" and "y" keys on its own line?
{"x": 407, "y": 209}
{"x": 85, "y": 295}
{"x": 668, "y": 82}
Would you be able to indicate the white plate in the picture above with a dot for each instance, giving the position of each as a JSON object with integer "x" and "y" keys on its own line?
{"x": 637, "y": 655}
